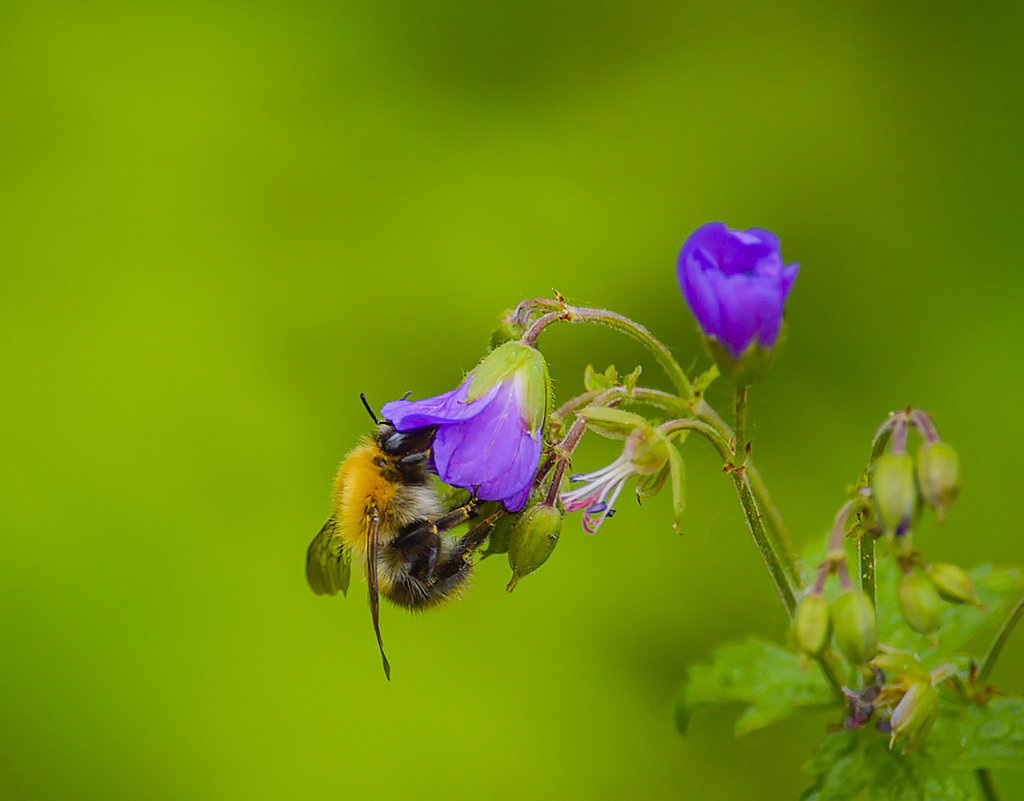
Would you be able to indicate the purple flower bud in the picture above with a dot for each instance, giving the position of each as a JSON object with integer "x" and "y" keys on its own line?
{"x": 736, "y": 285}
{"x": 488, "y": 436}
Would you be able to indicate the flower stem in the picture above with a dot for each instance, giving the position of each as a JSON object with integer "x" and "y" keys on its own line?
{"x": 776, "y": 527}
{"x": 989, "y": 662}
{"x": 740, "y": 421}
{"x": 866, "y": 552}
{"x": 632, "y": 329}
{"x": 542, "y": 322}
{"x": 747, "y": 503}
{"x": 764, "y": 544}
{"x": 988, "y": 790}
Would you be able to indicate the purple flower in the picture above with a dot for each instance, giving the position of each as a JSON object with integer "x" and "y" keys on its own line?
{"x": 735, "y": 284}
{"x": 488, "y": 436}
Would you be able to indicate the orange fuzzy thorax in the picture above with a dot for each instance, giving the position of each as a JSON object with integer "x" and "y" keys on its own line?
{"x": 357, "y": 488}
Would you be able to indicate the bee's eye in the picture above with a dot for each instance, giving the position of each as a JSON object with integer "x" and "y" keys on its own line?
{"x": 397, "y": 443}
{"x": 393, "y": 442}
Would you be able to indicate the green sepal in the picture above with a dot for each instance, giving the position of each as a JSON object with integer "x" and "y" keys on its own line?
{"x": 529, "y": 368}
{"x": 650, "y": 485}
{"x": 538, "y": 391}
{"x": 611, "y": 422}
{"x": 497, "y": 540}
{"x": 898, "y": 663}
{"x": 496, "y": 365}
{"x": 755, "y": 363}
{"x": 505, "y": 330}
{"x": 914, "y": 716}
{"x": 677, "y": 469}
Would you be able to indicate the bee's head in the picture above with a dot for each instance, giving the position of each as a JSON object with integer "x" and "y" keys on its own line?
{"x": 404, "y": 443}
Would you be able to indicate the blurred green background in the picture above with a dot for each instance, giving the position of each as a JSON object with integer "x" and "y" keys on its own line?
{"x": 220, "y": 222}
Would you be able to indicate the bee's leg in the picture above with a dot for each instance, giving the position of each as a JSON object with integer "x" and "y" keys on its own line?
{"x": 411, "y": 536}
{"x": 456, "y": 561}
{"x": 434, "y": 566}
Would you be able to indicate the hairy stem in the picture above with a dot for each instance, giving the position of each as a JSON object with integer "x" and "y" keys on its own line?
{"x": 866, "y": 552}
{"x": 740, "y": 421}
{"x": 631, "y": 328}
{"x": 777, "y": 530}
{"x": 747, "y": 503}
{"x": 989, "y": 662}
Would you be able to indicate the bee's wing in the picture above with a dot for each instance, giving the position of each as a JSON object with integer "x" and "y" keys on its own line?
{"x": 328, "y": 562}
{"x": 371, "y": 580}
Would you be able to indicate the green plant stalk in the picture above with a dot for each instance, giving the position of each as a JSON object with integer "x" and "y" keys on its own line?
{"x": 632, "y": 329}
{"x": 989, "y": 662}
{"x": 866, "y": 552}
{"x": 988, "y": 789}
{"x": 776, "y": 547}
{"x": 747, "y": 503}
{"x": 740, "y": 421}
{"x": 685, "y": 403}
{"x": 776, "y": 528}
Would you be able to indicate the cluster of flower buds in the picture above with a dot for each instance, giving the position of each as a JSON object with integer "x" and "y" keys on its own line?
{"x": 925, "y": 589}
{"x": 851, "y": 618}
{"x": 901, "y": 484}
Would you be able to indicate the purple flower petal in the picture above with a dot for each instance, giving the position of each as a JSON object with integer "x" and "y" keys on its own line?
{"x": 736, "y": 284}
{"x": 483, "y": 445}
{"x": 492, "y": 452}
{"x": 447, "y": 407}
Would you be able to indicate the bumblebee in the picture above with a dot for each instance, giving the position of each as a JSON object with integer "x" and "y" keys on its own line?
{"x": 390, "y": 519}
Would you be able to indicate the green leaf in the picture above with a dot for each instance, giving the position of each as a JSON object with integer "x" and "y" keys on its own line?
{"x": 997, "y": 587}
{"x": 705, "y": 379}
{"x": 770, "y": 680}
{"x": 630, "y": 381}
{"x": 849, "y": 763}
{"x": 989, "y": 735}
{"x": 594, "y": 381}
{"x": 841, "y": 768}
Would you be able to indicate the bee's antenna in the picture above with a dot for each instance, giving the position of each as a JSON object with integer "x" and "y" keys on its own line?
{"x": 362, "y": 397}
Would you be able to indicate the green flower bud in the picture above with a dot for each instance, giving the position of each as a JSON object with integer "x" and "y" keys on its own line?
{"x": 611, "y": 422}
{"x": 892, "y": 484}
{"x": 853, "y": 618}
{"x": 915, "y": 715}
{"x": 812, "y": 625}
{"x": 534, "y": 537}
{"x": 920, "y": 604}
{"x": 953, "y": 584}
{"x": 647, "y": 451}
{"x": 938, "y": 475}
